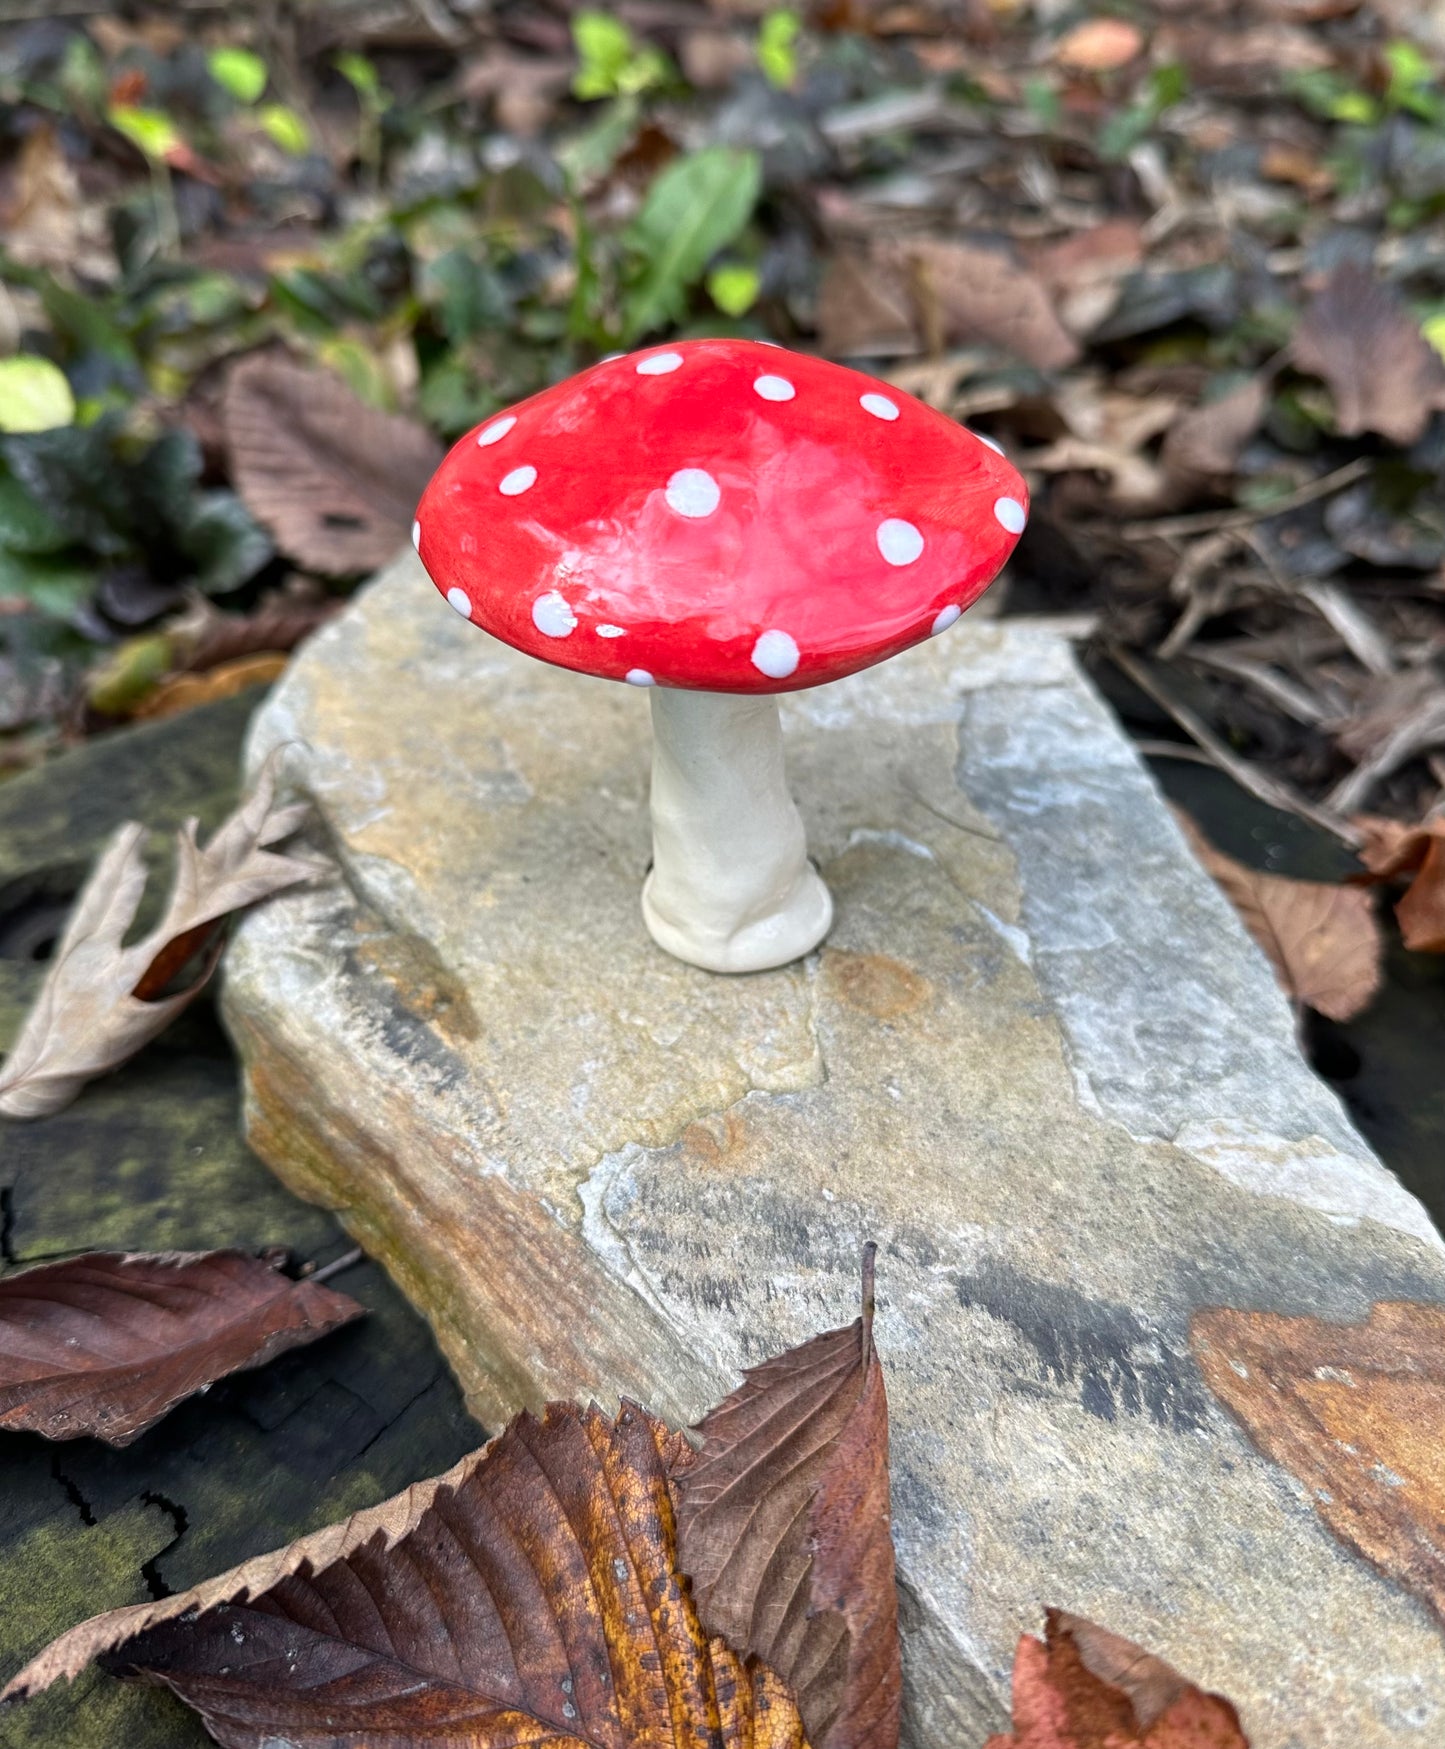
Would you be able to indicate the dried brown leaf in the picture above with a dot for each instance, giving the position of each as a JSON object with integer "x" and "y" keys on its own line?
{"x": 1324, "y": 942}
{"x": 529, "y": 1596}
{"x": 1207, "y": 440}
{"x": 784, "y": 1531}
{"x": 101, "y": 1001}
{"x": 1391, "y": 851}
{"x": 1356, "y": 1412}
{"x": 183, "y": 692}
{"x": 863, "y": 308}
{"x": 965, "y": 293}
{"x": 107, "y": 1343}
{"x": 46, "y": 222}
{"x": 335, "y": 481}
{"x": 1358, "y": 334}
{"x": 1081, "y": 1687}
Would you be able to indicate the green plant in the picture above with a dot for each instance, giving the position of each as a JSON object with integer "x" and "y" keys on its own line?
{"x": 777, "y": 48}
{"x": 610, "y": 62}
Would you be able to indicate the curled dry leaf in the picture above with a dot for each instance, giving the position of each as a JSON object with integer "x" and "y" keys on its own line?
{"x": 784, "y": 1531}
{"x": 1393, "y": 851}
{"x": 335, "y": 481}
{"x": 107, "y": 1343}
{"x": 1356, "y": 1412}
{"x": 1358, "y": 334}
{"x": 528, "y": 1596}
{"x": 101, "y": 1001}
{"x": 1081, "y": 1687}
{"x": 965, "y": 294}
{"x": 1324, "y": 942}
{"x": 183, "y": 692}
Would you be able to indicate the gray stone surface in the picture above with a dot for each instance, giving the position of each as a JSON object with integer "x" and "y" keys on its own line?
{"x": 1037, "y": 1059}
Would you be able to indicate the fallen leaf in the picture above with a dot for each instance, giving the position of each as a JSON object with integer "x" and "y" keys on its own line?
{"x": 107, "y": 1343}
{"x": 1356, "y": 1412}
{"x": 1359, "y": 336}
{"x": 784, "y": 1531}
{"x": 101, "y": 1001}
{"x": 1099, "y": 45}
{"x": 334, "y": 480}
{"x": 965, "y": 293}
{"x": 183, "y": 692}
{"x": 46, "y": 222}
{"x": 1207, "y": 440}
{"x": 1392, "y": 850}
{"x": 863, "y": 308}
{"x": 1081, "y": 1687}
{"x": 528, "y": 1596}
{"x": 1323, "y": 941}
{"x": 205, "y": 638}
{"x": 1084, "y": 273}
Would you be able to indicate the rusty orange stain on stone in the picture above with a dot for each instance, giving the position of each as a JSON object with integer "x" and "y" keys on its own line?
{"x": 1356, "y": 1412}
{"x": 874, "y": 984}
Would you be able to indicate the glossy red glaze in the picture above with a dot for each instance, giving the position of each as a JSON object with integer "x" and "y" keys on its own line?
{"x": 781, "y": 528}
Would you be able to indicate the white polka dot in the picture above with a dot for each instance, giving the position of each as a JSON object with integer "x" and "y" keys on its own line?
{"x": 461, "y": 601}
{"x": 639, "y": 677}
{"x": 899, "y": 542}
{"x": 879, "y": 406}
{"x": 946, "y": 617}
{"x": 552, "y": 616}
{"x": 776, "y": 655}
{"x": 1011, "y": 514}
{"x": 416, "y": 535}
{"x": 496, "y": 431}
{"x": 774, "y": 388}
{"x": 693, "y": 492}
{"x": 997, "y": 448}
{"x": 610, "y": 632}
{"x": 659, "y": 364}
{"x": 517, "y": 481}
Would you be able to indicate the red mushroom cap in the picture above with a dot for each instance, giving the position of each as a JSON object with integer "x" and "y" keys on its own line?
{"x": 720, "y": 515}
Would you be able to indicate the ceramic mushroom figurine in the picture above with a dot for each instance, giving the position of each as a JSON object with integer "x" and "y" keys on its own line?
{"x": 720, "y": 521}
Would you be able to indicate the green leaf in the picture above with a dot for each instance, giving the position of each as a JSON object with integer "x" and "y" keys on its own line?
{"x": 777, "y": 48}
{"x": 364, "y": 79}
{"x": 589, "y": 155}
{"x": 24, "y": 526}
{"x": 148, "y": 130}
{"x": 238, "y": 71}
{"x": 694, "y": 208}
{"x": 1433, "y": 328}
{"x": 129, "y": 672}
{"x": 466, "y": 293}
{"x": 224, "y": 543}
{"x": 34, "y": 395}
{"x": 286, "y": 129}
{"x": 734, "y": 289}
{"x": 58, "y": 587}
{"x": 611, "y": 63}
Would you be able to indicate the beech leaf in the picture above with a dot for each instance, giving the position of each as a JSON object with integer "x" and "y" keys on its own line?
{"x": 1081, "y": 1687}
{"x": 784, "y": 1531}
{"x": 1324, "y": 942}
{"x": 107, "y": 1343}
{"x": 529, "y": 1596}
{"x": 102, "y": 1001}
{"x": 1358, "y": 334}
{"x": 334, "y": 480}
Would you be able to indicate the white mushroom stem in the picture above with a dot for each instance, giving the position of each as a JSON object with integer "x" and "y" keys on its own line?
{"x": 731, "y": 887}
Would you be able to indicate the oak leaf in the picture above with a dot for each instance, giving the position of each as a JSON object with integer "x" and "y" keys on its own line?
{"x": 1081, "y": 1687}
{"x": 1394, "y": 851}
{"x": 1323, "y": 941}
{"x": 784, "y": 1531}
{"x": 1359, "y": 335}
{"x": 102, "y": 1001}
{"x": 529, "y": 1596}
{"x": 1356, "y": 1412}
{"x": 334, "y": 480}
{"x": 105, "y": 1344}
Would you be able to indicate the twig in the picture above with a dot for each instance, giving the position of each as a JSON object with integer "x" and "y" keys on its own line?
{"x": 1204, "y": 521}
{"x": 1272, "y": 791}
{"x": 1293, "y": 699}
{"x": 347, "y": 1260}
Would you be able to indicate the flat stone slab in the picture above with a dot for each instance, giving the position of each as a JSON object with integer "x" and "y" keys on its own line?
{"x": 1038, "y": 1060}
